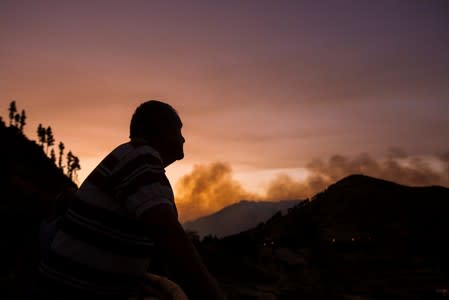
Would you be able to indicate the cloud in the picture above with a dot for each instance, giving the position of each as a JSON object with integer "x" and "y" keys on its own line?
{"x": 210, "y": 187}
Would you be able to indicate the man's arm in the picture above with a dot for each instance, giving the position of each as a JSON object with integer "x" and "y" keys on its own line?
{"x": 189, "y": 271}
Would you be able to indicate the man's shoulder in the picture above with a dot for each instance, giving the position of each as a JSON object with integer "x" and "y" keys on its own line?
{"x": 137, "y": 152}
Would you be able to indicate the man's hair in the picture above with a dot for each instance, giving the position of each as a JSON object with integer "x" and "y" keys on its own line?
{"x": 151, "y": 118}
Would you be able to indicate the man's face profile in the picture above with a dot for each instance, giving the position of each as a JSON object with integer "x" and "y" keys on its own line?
{"x": 173, "y": 141}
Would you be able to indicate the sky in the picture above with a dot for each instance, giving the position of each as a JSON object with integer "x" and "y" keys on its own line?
{"x": 278, "y": 98}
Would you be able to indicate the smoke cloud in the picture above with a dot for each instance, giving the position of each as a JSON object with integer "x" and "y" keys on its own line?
{"x": 398, "y": 168}
{"x": 208, "y": 188}
{"x": 284, "y": 187}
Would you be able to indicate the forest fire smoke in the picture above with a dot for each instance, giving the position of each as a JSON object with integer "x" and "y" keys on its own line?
{"x": 398, "y": 167}
{"x": 208, "y": 188}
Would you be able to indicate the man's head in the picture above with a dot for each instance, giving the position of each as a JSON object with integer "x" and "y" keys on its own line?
{"x": 159, "y": 124}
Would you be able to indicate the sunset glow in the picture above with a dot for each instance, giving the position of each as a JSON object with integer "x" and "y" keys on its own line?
{"x": 281, "y": 99}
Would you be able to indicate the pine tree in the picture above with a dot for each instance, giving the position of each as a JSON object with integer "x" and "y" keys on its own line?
{"x": 41, "y": 134}
{"x": 12, "y": 112}
{"x": 61, "y": 153}
{"x": 53, "y": 156}
{"x": 50, "y": 139}
{"x": 73, "y": 165}
{"x": 69, "y": 164}
{"x": 22, "y": 122}
{"x": 16, "y": 120}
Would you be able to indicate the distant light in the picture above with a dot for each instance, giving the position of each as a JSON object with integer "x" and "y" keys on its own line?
{"x": 333, "y": 240}
{"x": 353, "y": 239}
{"x": 264, "y": 244}
{"x": 272, "y": 243}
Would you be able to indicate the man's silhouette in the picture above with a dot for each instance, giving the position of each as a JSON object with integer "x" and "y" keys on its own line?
{"x": 124, "y": 222}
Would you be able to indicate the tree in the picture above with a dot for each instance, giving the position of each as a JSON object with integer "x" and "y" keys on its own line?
{"x": 61, "y": 153}
{"x": 73, "y": 165}
{"x": 69, "y": 164}
{"x": 12, "y": 112}
{"x": 50, "y": 139}
{"x": 22, "y": 122}
{"x": 16, "y": 120}
{"x": 53, "y": 156}
{"x": 41, "y": 134}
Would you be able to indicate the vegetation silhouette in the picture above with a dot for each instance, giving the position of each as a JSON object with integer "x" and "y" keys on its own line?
{"x": 16, "y": 119}
{"x": 12, "y": 112}
{"x": 30, "y": 181}
{"x": 53, "y": 155}
{"x": 41, "y": 134}
{"x": 73, "y": 165}
{"x": 50, "y": 140}
{"x": 61, "y": 148}
{"x": 46, "y": 139}
{"x": 22, "y": 121}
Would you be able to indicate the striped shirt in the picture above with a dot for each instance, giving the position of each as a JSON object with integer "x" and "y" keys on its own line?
{"x": 101, "y": 247}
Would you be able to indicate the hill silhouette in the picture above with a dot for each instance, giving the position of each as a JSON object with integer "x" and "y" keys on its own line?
{"x": 237, "y": 217}
{"x": 29, "y": 183}
{"x": 363, "y": 238}
{"x": 362, "y": 207}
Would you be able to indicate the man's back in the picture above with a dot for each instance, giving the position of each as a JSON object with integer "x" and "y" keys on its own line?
{"x": 123, "y": 212}
{"x": 102, "y": 247}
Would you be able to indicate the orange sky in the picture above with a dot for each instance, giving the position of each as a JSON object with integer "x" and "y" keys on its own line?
{"x": 264, "y": 87}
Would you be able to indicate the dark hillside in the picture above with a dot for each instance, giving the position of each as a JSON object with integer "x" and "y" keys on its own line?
{"x": 362, "y": 208}
{"x": 362, "y": 238}
{"x": 29, "y": 182}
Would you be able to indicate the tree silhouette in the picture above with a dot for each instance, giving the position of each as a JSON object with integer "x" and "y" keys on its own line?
{"x": 16, "y": 120}
{"x": 53, "y": 156}
{"x": 73, "y": 165}
{"x": 61, "y": 153}
{"x": 42, "y": 135}
{"x": 12, "y": 112}
{"x": 49, "y": 137}
{"x": 22, "y": 122}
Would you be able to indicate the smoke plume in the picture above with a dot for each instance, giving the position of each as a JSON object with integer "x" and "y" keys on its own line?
{"x": 398, "y": 168}
{"x": 208, "y": 188}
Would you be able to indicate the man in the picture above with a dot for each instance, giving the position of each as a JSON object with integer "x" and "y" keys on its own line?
{"x": 124, "y": 221}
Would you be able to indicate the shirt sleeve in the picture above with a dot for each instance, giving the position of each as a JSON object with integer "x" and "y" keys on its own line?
{"x": 148, "y": 196}
{"x": 140, "y": 183}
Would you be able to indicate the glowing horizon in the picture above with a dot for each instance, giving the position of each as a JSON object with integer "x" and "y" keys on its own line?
{"x": 267, "y": 88}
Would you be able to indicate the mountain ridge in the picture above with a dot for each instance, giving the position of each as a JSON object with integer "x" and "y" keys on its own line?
{"x": 237, "y": 217}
